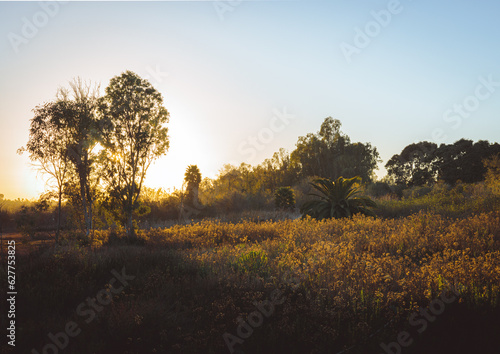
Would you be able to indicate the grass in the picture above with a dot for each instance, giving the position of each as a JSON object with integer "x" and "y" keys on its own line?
{"x": 345, "y": 284}
{"x": 459, "y": 201}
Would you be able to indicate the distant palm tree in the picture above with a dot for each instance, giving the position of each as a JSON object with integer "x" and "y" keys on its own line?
{"x": 337, "y": 199}
{"x": 193, "y": 179}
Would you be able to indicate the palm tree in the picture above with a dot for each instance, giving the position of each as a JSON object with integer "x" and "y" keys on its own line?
{"x": 337, "y": 199}
{"x": 193, "y": 179}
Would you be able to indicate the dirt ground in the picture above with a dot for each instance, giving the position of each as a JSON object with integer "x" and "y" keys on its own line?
{"x": 22, "y": 246}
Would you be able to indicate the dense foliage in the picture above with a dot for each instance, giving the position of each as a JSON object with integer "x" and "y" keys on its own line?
{"x": 337, "y": 199}
{"x": 284, "y": 198}
{"x": 425, "y": 162}
{"x": 330, "y": 154}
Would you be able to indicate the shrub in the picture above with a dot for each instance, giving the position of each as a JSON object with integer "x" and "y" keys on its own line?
{"x": 337, "y": 199}
{"x": 378, "y": 189}
{"x": 254, "y": 262}
{"x": 284, "y": 198}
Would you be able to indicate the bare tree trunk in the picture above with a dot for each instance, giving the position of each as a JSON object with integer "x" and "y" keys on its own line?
{"x": 131, "y": 201}
{"x": 59, "y": 215}
{"x": 1, "y": 242}
{"x": 88, "y": 219}
{"x": 130, "y": 225}
{"x": 83, "y": 196}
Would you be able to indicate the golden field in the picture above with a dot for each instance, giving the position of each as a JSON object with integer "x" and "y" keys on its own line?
{"x": 345, "y": 285}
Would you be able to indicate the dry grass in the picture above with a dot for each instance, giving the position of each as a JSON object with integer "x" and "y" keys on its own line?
{"x": 345, "y": 282}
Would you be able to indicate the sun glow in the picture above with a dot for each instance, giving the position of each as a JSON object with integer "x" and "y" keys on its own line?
{"x": 189, "y": 145}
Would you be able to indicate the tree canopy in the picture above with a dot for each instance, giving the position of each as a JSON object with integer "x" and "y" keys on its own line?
{"x": 415, "y": 165}
{"x": 48, "y": 148}
{"x": 330, "y": 154}
{"x": 133, "y": 135}
{"x": 424, "y": 162}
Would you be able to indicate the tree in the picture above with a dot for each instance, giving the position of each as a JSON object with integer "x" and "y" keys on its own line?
{"x": 424, "y": 162}
{"x": 1, "y": 225}
{"x": 192, "y": 178}
{"x": 284, "y": 198}
{"x": 337, "y": 199}
{"x": 287, "y": 174}
{"x": 48, "y": 148}
{"x": 330, "y": 154}
{"x": 133, "y": 136}
{"x": 78, "y": 119}
{"x": 190, "y": 203}
{"x": 274, "y": 172}
{"x": 463, "y": 160}
{"x": 332, "y": 149}
{"x": 306, "y": 156}
{"x": 360, "y": 160}
{"x": 415, "y": 165}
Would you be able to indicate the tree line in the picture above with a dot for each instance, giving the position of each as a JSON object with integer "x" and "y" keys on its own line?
{"x": 426, "y": 163}
{"x": 329, "y": 153}
{"x": 97, "y": 150}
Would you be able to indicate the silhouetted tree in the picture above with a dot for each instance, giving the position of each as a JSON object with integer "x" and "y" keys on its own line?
{"x": 192, "y": 178}
{"x": 330, "y": 154}
{"x": 48, "y": 147}
{"x": 463, "y": 160}
{"x": 415, "y": 165}
{"x": 307, "y": 156}
{"x": 424, "y": 162}
{"x": 133, "y": 136}
{"x": 360, "y": 160}
{"x": 78, "y": 119}
{"x": 1, "y": 225}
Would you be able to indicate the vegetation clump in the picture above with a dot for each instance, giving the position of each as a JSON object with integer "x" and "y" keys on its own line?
{"x": 337, "y": 199}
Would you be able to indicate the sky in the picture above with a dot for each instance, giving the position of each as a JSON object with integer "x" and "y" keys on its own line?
{"x": 242, "y": 79}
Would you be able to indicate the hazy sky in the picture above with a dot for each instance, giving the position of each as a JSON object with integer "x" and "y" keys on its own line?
{"x": 243, "y": 78}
